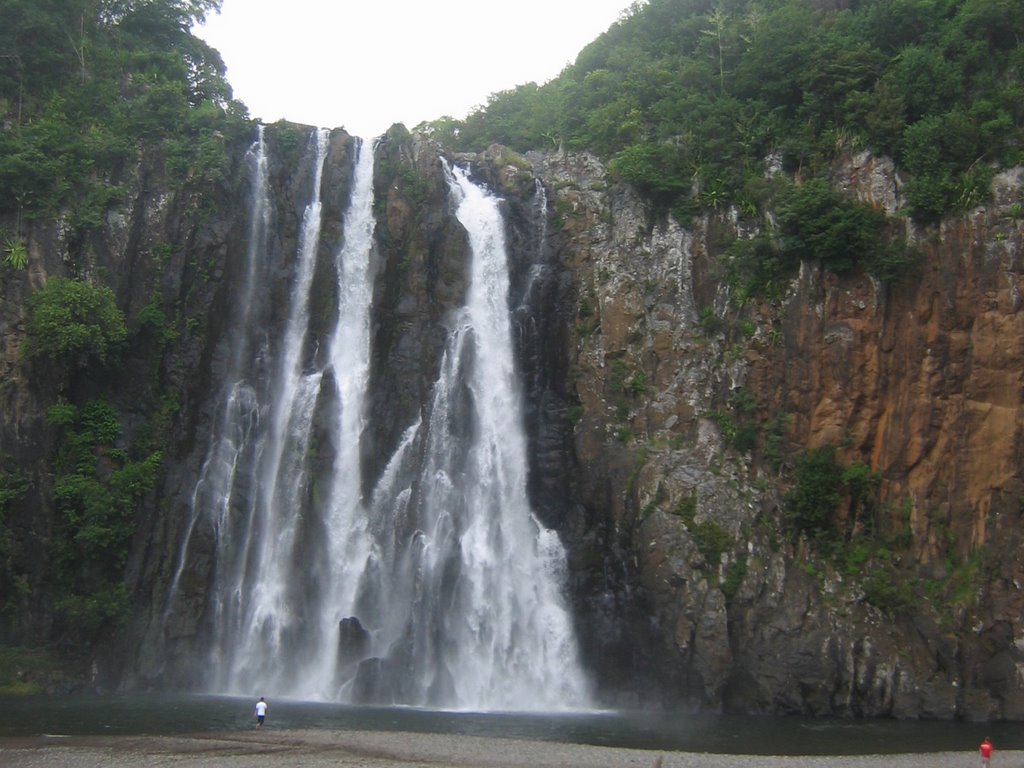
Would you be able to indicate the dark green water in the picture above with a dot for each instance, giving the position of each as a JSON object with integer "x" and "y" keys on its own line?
{"x": 175, "y": 714}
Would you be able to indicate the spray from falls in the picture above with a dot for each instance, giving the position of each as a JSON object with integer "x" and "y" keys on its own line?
{"x": 434, "y": 586}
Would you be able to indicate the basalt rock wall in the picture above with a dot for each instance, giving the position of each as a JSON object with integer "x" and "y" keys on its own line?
{"x": 640, "y": 365}
{"x": 717, "y": 603}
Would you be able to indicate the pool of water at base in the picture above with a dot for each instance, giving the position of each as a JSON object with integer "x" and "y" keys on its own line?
{"x": 167, "y": 714}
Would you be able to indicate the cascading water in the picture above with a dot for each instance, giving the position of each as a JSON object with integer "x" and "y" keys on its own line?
{"x": 345, "y": 545}
{"x": 518, "y": 644}
{"x": 257, "y": 587}
{"x": 463, "y": 585}
{"x": 438, "y": 586}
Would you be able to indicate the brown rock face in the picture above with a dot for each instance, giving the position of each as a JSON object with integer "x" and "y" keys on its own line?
{"x": 920, "y": 382}
{"x": 919, "y": 379}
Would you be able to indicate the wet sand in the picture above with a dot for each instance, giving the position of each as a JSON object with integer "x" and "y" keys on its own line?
{"x": 380, "y": 749}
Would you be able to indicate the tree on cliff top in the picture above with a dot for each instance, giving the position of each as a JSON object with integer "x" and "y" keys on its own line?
{"x": 687, "y": 98}
{"x": 86, "y": 85}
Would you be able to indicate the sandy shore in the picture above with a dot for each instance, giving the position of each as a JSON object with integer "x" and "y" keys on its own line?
{"x": 378, "y": 749}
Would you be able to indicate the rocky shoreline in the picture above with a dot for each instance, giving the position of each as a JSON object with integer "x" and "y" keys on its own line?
{"x": 378, "y": 749}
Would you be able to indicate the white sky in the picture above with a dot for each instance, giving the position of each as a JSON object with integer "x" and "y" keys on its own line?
{"x": 366, "y": 64}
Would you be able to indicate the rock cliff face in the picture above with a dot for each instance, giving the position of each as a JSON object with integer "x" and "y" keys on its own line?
{"x": 640, "y": 368}
{"x": 916, "y": 381}
{"x": 162, "y": 245}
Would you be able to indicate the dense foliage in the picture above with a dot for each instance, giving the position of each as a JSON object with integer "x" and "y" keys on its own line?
{"x": 818, "y": 224}
{"x": 98, "y": 485}
{"x": 75, "y": 325}
{"x": 87, "y": 86}
{"x": 13, "y": 486}
{"x": 812, "y": 502}
{"x": 688, "y": 98}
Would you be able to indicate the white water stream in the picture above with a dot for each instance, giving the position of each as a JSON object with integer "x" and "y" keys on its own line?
{"x": 439, "y": 586}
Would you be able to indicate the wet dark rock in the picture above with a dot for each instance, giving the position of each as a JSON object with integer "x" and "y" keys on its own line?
{"x": 353, "y": 643}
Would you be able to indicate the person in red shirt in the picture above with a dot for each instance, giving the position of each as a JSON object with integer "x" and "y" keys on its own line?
{"x": 986, "y": 752}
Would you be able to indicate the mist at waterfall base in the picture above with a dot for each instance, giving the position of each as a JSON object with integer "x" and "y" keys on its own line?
{"x": 128, "y": 715}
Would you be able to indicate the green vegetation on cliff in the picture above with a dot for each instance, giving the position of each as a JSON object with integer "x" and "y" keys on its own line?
{"x": 97, "y": 488}
{"x": 13, "y": 486}
{"x": 90, "y": 86}
{"x": 688, "y": 98}
{"x": 75, "y": 325}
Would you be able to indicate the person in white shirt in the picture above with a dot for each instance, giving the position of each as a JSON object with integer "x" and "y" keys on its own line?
{"x": 261, "y": 712}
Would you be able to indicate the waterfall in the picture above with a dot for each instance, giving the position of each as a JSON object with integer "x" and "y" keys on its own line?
{"x": 518, "y": 647}
{"x": 463, "y": 585}
{"x": 259, "y": 622}
{"x": 252, "y": 479}
{"x": 238, "y": 412}
{"x": 433, "y": 584}
{"x": 345, "y": 522}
